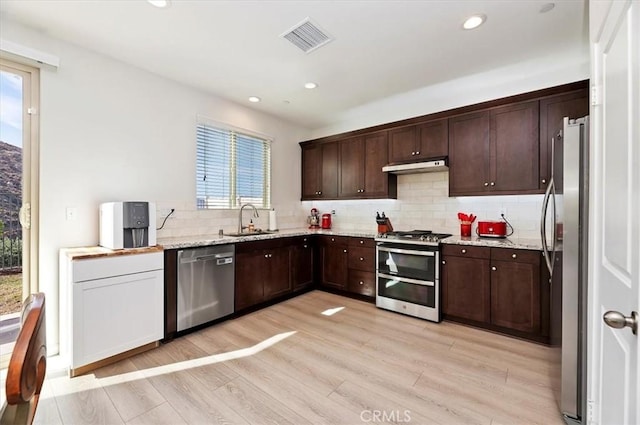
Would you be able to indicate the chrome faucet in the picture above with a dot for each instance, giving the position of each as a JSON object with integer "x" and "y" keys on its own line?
{"x": 255, "y": 214}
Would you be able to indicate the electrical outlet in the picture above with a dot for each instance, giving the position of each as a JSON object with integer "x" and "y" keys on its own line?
{"x": 502, "y": 212}
{"x": 333, "y": 212}
{"x": 72, "y": 213}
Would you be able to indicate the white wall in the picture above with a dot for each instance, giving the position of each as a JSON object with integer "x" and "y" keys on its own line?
{"x": 110, "y": 131}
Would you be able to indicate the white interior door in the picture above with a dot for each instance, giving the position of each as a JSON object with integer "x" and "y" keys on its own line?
{"x": 614, "y": 255}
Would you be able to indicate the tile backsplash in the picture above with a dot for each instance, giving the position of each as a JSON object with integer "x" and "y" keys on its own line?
{"x": 423, "y": 203}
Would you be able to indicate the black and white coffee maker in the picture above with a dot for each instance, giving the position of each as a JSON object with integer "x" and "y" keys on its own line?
{"x": 125, "y": 225}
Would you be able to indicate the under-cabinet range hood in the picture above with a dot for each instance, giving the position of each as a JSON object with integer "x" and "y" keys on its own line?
{"x": 429, "y": 166}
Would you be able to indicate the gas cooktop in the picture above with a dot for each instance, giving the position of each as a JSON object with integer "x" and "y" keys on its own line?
{"x": 413, "y": 236}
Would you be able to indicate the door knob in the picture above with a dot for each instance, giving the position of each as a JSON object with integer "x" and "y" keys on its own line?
{"x": 617, "y": 320}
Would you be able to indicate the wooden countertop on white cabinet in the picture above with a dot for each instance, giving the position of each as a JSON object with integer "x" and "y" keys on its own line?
{"x": 112, "y": 304}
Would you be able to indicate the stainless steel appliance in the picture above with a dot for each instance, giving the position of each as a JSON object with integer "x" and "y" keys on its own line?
{"x": 565, "y": 208}
{"x": 206, "y": 285}
{"x": 427, "y": 166}
{"x": 407, "y": 273}
{"x": 126, "y": 225}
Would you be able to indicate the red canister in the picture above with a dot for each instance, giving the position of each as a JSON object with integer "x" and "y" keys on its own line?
{"x": 326, "y": 221}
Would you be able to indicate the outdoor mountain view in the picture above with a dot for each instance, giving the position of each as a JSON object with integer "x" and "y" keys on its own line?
{"x": 10, "y": 231}
{"x": 10, "y": 202}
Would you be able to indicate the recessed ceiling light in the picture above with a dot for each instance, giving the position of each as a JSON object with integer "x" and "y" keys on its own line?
{"x": 310, "y": 85}
{"x": 159, "y": 3}
{"x": 474, "y": 21}
{"x": 254, "y": 99}
{"x": 547, "y": 7}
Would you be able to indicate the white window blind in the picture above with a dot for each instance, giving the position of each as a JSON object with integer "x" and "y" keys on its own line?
{"x": 232, "y": 169}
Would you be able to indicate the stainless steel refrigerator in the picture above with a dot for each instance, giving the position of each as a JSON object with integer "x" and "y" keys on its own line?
{"x": 564, "y": 233}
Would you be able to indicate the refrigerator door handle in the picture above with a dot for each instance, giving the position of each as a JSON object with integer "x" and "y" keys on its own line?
{"x": 543, "y": 225}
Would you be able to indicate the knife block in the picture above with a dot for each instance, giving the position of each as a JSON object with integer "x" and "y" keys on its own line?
{"x": 385, "y": 227}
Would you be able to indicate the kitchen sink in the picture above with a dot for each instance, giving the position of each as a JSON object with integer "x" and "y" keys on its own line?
{"x": 254, "y": 233}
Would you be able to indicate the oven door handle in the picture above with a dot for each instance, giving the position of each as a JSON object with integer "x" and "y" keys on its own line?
{"x": 407, "y": 251}
{"x": 407, "y": 280}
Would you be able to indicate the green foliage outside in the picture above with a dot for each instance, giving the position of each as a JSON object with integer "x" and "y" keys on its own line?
{"x": 10, "y": 252}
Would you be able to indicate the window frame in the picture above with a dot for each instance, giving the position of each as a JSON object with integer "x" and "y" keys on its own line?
{"x": 234, "y": 201}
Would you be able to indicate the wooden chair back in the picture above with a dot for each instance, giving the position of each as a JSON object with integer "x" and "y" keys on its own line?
{"x": 27, "y": 365}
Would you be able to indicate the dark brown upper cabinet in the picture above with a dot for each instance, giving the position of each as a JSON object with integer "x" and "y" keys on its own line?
{"x": 419, "y": 142}
{"x": 361, "y": 162}
{"x": 553, "y": 109}
{"x": 495, "y": 151}
{"x": 498, "y": 147}
{"x": 320, "y": 171}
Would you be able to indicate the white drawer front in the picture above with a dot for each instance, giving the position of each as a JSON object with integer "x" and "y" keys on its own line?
{"x": 118, "y": 265}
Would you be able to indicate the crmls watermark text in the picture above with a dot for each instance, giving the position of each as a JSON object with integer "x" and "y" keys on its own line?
{"x": 397, "y": 416}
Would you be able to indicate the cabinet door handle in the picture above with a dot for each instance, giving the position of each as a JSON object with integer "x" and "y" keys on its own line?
{"x": 494, "y": 268}
{"x": 444, "y": 261}
{"x": 333, "y": 240}
{"x": 361, "y": 259}
{"x": 544, "y": 181}
{"x": 413, "y": 153}
{"x": 361, "y": 283}
{"x": 486, "y": 184}
{"x": 266, "y": 255}
{"x": 344, "y": 250}
{"x": 418, "y": 153}
{"x": 305, "y": 246}
{"x": 464, "y": 251}
{"x": 493, "y": 184}
{"x": 514, "y": 256}
{"x": 361, "y": 242}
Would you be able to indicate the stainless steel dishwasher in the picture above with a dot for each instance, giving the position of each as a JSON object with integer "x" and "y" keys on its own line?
{"x": 205, "y": 284}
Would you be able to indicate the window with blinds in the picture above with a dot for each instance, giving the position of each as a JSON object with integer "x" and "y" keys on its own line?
{"x": 232, "y": 169}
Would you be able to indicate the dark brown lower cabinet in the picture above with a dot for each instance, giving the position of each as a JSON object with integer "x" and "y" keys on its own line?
{"x": 334, "y": 261}
{"x": 466, "y": 283}
{"x": 501, "y": 289}
{"x": 249, "y": 279}
{"x": 347, "y": 264}
{"x": 361, "y": 263}
{"x": 303, "y": 263}
{"x": 362, "y": 283}
{"x": 515, "y": 290}
{"x": 262, "y": 271}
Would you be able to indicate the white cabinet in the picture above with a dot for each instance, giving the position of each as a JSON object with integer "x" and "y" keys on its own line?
{"x": 114, "y": 304}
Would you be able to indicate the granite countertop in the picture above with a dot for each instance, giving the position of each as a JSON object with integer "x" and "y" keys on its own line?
{"x": 85, "y": 252}
{"x": 207, "y": 240}
{"x": 517, "y": 243}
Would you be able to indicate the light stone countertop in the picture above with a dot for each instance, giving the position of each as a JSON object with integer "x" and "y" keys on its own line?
{"x": 516, "y": 243}
{"x": 207, "y": 240}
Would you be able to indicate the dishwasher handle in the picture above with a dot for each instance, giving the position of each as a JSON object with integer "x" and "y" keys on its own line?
{"x": 220, "y": 259}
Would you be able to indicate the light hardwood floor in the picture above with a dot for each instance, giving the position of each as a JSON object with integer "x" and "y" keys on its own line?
{"x": 290, "y": 364}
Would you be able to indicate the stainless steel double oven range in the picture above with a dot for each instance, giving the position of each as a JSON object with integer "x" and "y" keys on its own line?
{"x": 408, "y": 273}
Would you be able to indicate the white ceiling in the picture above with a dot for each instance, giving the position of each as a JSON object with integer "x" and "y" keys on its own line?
{"x": 233, "y": 49}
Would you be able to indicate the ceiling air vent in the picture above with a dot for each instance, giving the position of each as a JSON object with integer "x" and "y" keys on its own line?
{"x": 307, "y": 36}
